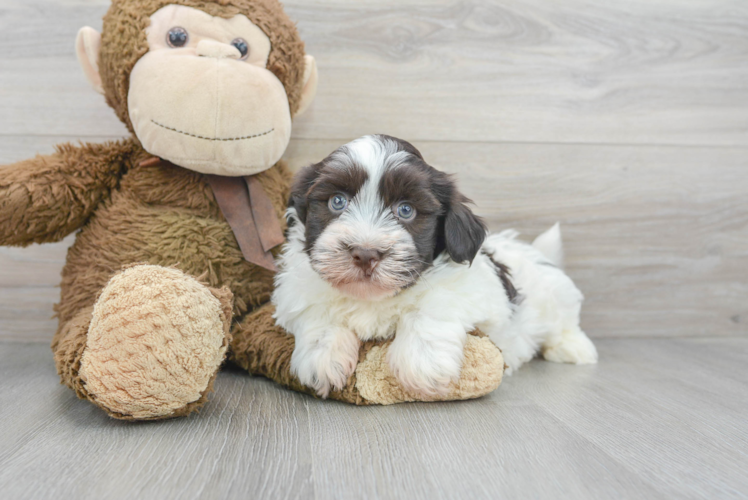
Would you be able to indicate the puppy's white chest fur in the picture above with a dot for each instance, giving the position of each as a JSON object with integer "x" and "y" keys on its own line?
{"x": 372, "y": 321}
{"x": 469, "y": 295}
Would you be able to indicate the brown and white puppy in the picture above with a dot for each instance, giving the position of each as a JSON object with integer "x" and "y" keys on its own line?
{"x": 381, "y": 244}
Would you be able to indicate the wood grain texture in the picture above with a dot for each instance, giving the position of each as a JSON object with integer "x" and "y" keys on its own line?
{"x": 530, "y": 71}
{"x": 643, "y": 72}
{"x": 251, "y": 442}
{"x": 627, "y": 122}
{"x": 655, "y": 237}
{"x": 681, "y": 386}
{"x": 655, "y": 419}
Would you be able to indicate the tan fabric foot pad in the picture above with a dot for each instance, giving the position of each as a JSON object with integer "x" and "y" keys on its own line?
{"x": 482, "y": 371}
{"x": 156, "y": 341}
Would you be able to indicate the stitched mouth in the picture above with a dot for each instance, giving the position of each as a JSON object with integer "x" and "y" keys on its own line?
{"x": 219, "y": 139}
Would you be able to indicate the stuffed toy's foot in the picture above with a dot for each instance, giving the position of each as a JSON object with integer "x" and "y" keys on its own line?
{"x": 482, "y": 370}
{"x": 150, "y": 347}
{"x": 263, "y": 348}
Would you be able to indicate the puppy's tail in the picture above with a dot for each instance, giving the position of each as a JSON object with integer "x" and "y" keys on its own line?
{"x": 551, "y": 245}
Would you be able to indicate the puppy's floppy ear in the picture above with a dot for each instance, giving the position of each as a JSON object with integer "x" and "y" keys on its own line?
{"x": 302, "y": 183}
{"x": 463, "y": 232}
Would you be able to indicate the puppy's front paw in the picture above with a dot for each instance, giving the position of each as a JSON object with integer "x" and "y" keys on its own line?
{"x": 325, "y": 360}
{"x": 425, "y": 368}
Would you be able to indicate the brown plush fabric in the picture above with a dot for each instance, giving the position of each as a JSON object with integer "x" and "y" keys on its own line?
{"x": 32, "y": 192}
{"x": 165, "y": 219}
{"x": 160, "y": 215}
{"x": 165, "y": 215}
{"x": 68, "y": 346}
{"x": 262, "y": 348}
{"x": 124, "y": 41}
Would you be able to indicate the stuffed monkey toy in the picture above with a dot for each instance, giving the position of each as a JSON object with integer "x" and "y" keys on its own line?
{"x": 172, "y": 267}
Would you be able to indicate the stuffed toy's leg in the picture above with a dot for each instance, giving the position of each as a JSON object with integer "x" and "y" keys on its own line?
{"x": 263, "y": 348}
{"x": 150, "y": 347}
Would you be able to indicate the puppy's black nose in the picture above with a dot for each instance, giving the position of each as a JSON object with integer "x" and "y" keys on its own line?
{"x": 366, "y": 258}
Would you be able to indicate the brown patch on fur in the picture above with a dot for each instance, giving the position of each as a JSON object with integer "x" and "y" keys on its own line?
{"x": 505, "y": 275}
{"x": 410, "y": 183}
{"x": 124, "y": 42}
{"x": 330, "y": 181}
{"x": 335, "y": 180}
{"x": 413, "y": 183}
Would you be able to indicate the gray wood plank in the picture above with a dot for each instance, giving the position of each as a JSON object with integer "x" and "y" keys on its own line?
{"x": 26, "y": 313}
{"x": 250, "y": 442}
{"x": 500, "y": 447}
{"x": 643, "y": 72}
{"x": 657, "y": 418}
{"x": 530, "y": 71}
{"x": 642, "y": 421}
{"x": 655, "y": 236}
{"x": 35, "y": 266}
{"x": 668, "y": 410}
{"x": 15, "y": 148}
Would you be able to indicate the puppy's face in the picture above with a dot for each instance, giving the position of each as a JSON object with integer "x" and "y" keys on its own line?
{"x": 376, "y": 215}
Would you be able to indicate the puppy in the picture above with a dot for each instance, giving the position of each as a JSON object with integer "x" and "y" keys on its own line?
{"x": 380, "y": 244}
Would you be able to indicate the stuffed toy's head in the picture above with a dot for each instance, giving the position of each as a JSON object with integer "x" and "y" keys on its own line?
{"x": 209, "y": 86}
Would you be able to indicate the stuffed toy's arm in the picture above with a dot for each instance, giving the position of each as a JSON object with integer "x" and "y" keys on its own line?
{"x": 48, "y": 197}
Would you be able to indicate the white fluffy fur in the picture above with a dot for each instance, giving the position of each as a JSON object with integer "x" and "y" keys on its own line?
{"x": 432, "y": 317}
{"x": 329, "y": 312}
{"x": 366, "y": 223}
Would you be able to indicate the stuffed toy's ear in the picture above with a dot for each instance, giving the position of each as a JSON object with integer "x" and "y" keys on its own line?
{"x": 302, "y": 183}
{"x": 463, "y": 232}
{"x": 87, "y": 47}
{"x": 310, "y": 84}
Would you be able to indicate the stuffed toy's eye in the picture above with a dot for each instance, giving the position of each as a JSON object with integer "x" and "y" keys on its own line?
{"x": 338, "y": 202}
{"x": 177, "y": 37}
{"x": 405, "y": 211}
{"x": 241, "y": 46}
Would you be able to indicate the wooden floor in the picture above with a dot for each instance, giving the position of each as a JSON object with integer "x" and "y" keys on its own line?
{"x": 658, "y": 418}
{"x": 625, "y": 121}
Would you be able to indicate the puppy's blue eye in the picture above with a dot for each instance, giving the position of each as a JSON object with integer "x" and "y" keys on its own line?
{"x": 177, "y": 37}
{"x": 406, "y": 211}
{"x": 338, "y": 202}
